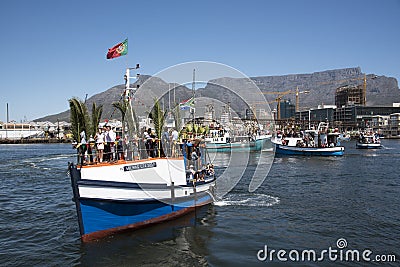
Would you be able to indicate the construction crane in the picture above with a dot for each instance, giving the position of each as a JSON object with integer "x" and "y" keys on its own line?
{"x": 282, "y": 94}
{"x": 297, "y": 97}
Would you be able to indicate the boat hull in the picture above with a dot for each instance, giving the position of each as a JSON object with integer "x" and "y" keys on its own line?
{"x": 368, "y": 146}
{"x": 309, "y": 151}
{"x": 106, "y": 207}
{"x": 237, "y": 146}
{"x": 102, "y": 218}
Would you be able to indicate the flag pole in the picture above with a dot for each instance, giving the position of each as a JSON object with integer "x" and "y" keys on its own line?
{"x": 194, "y": 95}
{"x": 127, "y": 55}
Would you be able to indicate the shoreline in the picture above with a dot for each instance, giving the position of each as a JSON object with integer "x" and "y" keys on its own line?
{"x": 34, "y": 141}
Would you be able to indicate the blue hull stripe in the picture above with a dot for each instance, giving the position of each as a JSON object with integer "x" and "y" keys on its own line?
{"x": 105, "y": 215}
{"x": 111, "y": 184}
{"x": 309, "y": 153}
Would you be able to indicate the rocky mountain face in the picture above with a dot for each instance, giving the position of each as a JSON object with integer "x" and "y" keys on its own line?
{"x": 381, "y": 91}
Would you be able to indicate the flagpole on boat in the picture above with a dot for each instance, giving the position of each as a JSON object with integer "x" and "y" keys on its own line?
{"x": 193, "y": 96}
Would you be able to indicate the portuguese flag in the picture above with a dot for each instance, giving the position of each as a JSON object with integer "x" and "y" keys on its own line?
{"x": 118, "y": 50}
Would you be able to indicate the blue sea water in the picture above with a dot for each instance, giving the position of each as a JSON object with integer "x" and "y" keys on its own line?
{"x": 304, "y": 203}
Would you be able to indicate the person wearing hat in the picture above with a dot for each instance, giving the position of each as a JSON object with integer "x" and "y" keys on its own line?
{"x": 192, "y": 173}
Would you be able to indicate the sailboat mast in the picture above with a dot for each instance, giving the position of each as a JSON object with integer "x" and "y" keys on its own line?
{"x": 193, "y": 95}
{"x": 128, "y": 94}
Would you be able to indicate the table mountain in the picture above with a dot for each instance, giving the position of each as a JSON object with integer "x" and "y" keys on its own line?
{"x": 381, "y": 91}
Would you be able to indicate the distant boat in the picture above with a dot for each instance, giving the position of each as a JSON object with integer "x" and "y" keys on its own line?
{"x": 221, "y": 141}
{"x": 314, "y": 143}
{"x": 368, "y": 140}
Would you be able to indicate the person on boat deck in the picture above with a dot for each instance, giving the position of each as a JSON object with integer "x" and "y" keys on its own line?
{"x": 194, "y": 158}
{"x": 82, "y": 148}
{"x": 189, "y": 147}
{"x": 148, "y": 142}
{"x": 91, "y": 148}
{"x": 100, "y": 145}
{"x": 202, "y": 147}
{"x": 118, "y": 145}
{"x": 154, "y": 144}
{"x": 111, "y": 141}
{"x": 193, "y": 174}
{"x": 165, "y": 142}
{"x": 107, "y": 149}
{"x": 135, "y": 143}
{"x": 174, "y": 140}
{"x": 210, "y": 169}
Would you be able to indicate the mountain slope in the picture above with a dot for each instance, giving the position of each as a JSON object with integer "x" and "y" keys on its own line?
{"x": 381, "y": 90}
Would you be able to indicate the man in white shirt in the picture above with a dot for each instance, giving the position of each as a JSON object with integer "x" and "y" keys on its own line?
{"x": 110, "y": 139}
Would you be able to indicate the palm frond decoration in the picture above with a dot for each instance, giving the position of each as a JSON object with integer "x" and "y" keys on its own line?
{"x": 80, "y": 120}
{"x": 158, "y": 118}
{"x": 177, "y": 117}
{"x": 122, "y": 107}
{"x": 97, "y": 111}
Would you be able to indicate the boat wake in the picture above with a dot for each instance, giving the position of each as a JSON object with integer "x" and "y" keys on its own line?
{"x": 38, "y": 162}
{"x": 248, "y": 200}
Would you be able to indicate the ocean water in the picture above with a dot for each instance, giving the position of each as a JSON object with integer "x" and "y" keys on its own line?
{"x": 305, "y": 203}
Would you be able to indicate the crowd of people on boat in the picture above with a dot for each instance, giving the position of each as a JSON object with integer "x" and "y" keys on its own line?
{"x": 104, "y": 146}
{"x": 369, "y": 138}
{"x": 108, "y": 146}
{"x": 198, "y": 175}
{"x": 311, "y": 139}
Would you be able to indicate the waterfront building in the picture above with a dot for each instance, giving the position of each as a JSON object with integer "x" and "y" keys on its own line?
{"x": 287, "y": 110}
{"x": 394, "y": 125}
{"x": 354, "y": 117}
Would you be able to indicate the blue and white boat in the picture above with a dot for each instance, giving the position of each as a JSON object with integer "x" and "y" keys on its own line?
{"x": 130, "y": 194}
{"x": 318, "y": 142}
{"x": 368, "y": 140}
{"x": 110, "y": 198}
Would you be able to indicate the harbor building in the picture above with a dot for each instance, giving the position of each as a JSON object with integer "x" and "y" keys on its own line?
{"x": 353, "y": 117}
{"x": 323, "y": 113}
{"x": 287, "y": 110}
{"x": 394, "y": 125}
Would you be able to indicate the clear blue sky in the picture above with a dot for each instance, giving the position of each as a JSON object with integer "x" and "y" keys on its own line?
{"x": 54, "y": 50}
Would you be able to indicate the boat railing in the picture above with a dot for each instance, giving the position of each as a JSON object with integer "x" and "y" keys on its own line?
{"x": 88, "y": 154}
{"x": 193, "y": 153}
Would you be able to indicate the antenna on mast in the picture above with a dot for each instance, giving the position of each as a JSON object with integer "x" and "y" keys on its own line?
{"x": 193, "y": 95}
{"x": 127, "y": 78}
